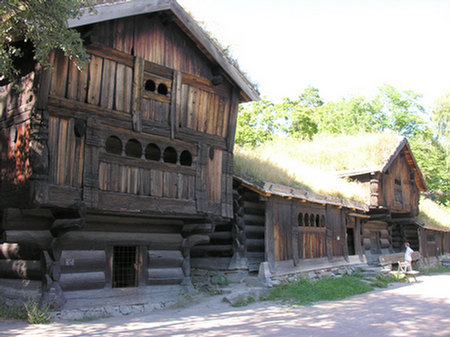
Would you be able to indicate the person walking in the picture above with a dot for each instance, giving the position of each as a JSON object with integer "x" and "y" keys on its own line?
{"x": 408, "y": 256}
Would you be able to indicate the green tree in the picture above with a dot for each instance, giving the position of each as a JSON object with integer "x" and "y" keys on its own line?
{"x": 441, "y": 118}
{"x": 257, "y": 122}
{"x": 43, "y": 24}
{"x": 403, "y": 111}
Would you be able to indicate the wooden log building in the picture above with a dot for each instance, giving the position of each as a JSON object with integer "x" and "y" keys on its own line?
{"x": 279, "y": 230}
{"x": 395, "y": 188}
{"x": 111, "y": 175}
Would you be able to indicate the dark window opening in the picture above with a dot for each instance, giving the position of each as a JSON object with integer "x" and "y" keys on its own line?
{"x": 311, "y": 220}
{"x": 133, "y": 148}
{"x": 150, "y": 85}
{"x": 162, "y": 89}
{"x": 113, "y": 145}
{"x": 170, "y": 155}
{"x": 398, "y": 182}
{"x": 124, "y": 267}
{"x": 322, "y": 221}
{"x": 306, "y": 218}
{"x": 300, "y": 219}
{"x": 186, "y": 158}
{"x": 317, "y": 221}
{"x": 152, "y": 152}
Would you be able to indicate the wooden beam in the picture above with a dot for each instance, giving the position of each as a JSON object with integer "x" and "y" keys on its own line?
{"x": 138, "y": 73}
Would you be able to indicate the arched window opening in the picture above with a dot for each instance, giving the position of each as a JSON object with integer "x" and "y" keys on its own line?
{"x": 311, "y": 220}
{"x": 306, "y": 220}
{"x": 170, "y": 155}
{"x": 133, "y": 149}
{"x": 300, "y": 219}
{"x": 162, "y": 89}
{"x": 150, "y": 85}
{"x": 186, "y": 158}
{"x": 317, "y": 220}
{"x": 152, "y": 152}
{"x": 322, "y": 221}
{"x": 113, "y": 145}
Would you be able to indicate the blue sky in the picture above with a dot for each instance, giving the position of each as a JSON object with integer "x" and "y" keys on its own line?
{"x": 342, "y": 47}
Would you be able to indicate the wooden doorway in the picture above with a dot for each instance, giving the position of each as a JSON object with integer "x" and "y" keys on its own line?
{"x": 351, "y": 241}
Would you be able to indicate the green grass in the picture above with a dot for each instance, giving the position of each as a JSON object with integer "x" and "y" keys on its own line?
{"x": 305, "y": 292}
{"x": 29, "y": 311}
{"x": 12, "y": 312}
{"x": 435, "y": 216}
{"x": 434, "y": 270}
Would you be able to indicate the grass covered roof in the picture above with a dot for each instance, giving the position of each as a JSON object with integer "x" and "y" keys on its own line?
{"x": 312, "y": 165}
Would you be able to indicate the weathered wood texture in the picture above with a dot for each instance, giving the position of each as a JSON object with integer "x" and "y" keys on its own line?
{"x": 434, "y": 243}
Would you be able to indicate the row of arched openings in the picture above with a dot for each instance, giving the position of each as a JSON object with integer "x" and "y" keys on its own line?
{"x": 311, "y": 220}
{"x": 152, "y": 151}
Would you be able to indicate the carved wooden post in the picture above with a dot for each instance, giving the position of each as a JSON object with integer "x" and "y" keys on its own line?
{"x": 374, "y": 191}
{"x": 239, "y": 259}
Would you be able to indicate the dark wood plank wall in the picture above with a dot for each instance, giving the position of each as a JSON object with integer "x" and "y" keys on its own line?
{"x": 188, "y": 107}
{"x": 320, "y": 231}
{"x": 66, "y": 166}
{"x": 336, "y": 231}
{"x": 434, "y": 243}
{"x": 282, "y": 228}
{"x": 399, "y": 188}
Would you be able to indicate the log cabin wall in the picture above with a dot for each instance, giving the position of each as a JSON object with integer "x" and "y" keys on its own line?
{"x": 376, "y": 239}
{"x": 145, "y": 119}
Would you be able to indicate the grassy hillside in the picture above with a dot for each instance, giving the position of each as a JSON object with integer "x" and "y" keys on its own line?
{"x": 434, "y": 216}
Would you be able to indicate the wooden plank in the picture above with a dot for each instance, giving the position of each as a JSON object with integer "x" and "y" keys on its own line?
{"x": 59, "y": 76}
{"x": 95, "y": 77}
{"x": 112, "y": 54}
{"x": 124, "y": 84}
{"x": 175, "y": 102}
{"x": 137, "y": 93}
{"x": 108, "y": 84}
{"x": 269, "y": 253}
{"x": 156, "y": 185}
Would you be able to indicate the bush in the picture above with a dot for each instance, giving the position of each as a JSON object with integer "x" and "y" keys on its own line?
{"x": 36, "y": 315}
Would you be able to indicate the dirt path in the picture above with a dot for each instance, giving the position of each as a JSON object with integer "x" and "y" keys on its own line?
{"x": 420, "y": 309}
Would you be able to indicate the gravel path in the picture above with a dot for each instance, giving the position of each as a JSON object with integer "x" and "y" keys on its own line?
{"x": 417, "y": 309}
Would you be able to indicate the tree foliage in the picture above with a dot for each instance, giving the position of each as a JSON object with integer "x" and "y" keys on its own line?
{"x": 43, "y": 24}
{"x": 390, "y": 109}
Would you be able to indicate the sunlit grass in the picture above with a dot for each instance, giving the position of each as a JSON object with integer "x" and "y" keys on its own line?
{"x": 312, "y": 165}
{"x": 306, "y": 292}
{"x": 435, "y": 216}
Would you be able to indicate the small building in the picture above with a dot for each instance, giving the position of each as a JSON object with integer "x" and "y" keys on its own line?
{"x": 110, "y": 176}
{"x": 395, "y": 186}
